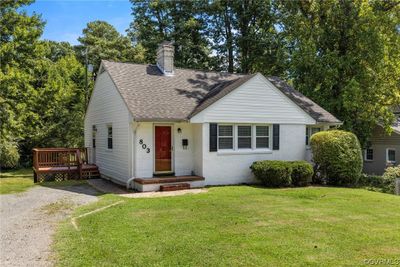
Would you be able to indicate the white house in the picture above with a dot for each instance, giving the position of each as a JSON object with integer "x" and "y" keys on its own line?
{"x": 198, "y": 128}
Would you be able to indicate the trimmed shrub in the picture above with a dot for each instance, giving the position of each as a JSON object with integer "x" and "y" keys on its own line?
{"x": 302, "y": 173}
{"x": 9, "y": 155}
{"x": 370, "y": 181}
{"x": 389, "y": 178}
{"x": 272, "y": 173}
{"x": 337, "y": 155}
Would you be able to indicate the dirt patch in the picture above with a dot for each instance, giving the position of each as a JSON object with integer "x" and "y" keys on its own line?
{"x": 28, "y": 220}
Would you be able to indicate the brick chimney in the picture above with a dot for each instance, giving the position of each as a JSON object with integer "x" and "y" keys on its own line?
{"x": 165, "y": 58}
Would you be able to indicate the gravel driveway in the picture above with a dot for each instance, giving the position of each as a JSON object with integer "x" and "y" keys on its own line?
{"x": 28, "y": 220}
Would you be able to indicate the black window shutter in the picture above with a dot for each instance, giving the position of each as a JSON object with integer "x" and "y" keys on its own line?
{"x": 275, "y": 137}
{"x": 213, "y": 137}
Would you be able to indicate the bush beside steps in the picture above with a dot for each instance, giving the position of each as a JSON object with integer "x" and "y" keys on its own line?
{"x": 277, "y": 173}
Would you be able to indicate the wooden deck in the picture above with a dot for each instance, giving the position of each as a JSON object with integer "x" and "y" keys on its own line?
{"x": 62, "y": 164}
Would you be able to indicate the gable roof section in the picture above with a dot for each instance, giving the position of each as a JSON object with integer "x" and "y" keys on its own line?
{"x": 313, "y": 109}
{"x": 151, "y": 96}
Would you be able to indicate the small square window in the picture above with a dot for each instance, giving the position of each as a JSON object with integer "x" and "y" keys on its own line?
{"x": 391, "y": 155}
{"x": 369, "y": 154}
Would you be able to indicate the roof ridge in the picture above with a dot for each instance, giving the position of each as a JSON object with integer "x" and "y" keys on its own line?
{"x": 185, "y": 69}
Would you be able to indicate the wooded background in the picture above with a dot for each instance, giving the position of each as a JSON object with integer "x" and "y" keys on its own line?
{"x": 345, "y": 55}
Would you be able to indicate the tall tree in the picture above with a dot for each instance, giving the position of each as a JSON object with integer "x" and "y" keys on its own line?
{"x": 346, "y": 56}
{"x": 244, "y": 33}
{"x": 182, "y": 22}
{"x": 41, "y": 88}
{"x": 20, "y": 49}
{"x": 103, "y": 41}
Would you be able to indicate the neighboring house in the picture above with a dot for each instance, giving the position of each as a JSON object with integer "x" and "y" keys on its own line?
{"x": 148, "y": 120}
{"x": 384, "y": 149}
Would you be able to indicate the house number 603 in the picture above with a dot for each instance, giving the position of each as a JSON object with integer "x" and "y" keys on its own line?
{"x": 144, "y": 146}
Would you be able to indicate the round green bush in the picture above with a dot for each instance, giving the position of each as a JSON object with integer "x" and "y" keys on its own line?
{"x": 272, "y": 173}
{"x": 9, "y": 155}
{"x": 389, "y": 178}
{"x": 337, "y": 155}
{"x": 302, "y": 173}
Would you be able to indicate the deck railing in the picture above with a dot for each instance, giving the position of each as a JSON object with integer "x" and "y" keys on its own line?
{"x": 57, "y": 160}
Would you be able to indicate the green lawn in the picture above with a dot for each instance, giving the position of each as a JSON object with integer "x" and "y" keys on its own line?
{"x": 236, "y": 226}
{"x": 15, "y": 181}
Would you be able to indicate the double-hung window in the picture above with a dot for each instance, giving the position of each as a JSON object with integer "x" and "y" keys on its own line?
{"x": 369, "y": 154}
{"x": 262, "y": 136}
{"x": 225, "y": 136}
{"x": 109, "y": 137}
{"x": 244, "y": 136}
{"x": 310, "y": 131}
{"x": 391, "y": 155}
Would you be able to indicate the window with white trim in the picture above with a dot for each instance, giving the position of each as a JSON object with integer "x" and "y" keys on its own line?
{"x": 262, "y": 136}
{"x": 310, "y": 131}
{"x": 391, "y": 155}
{"x": 244, "y": 136}
{"x": 225, "y": 136}
{"x": 369, "y": 154}
{"x": 109, "y": 137}
{"x": 315, "y": 130}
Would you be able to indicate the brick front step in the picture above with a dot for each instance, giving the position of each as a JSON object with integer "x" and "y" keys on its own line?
{"x": 174, "y": 187}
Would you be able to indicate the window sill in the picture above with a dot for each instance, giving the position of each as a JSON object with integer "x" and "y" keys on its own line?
{"x": 244, "y": 152}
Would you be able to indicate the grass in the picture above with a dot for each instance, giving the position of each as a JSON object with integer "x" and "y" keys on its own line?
{"x": 20, "y": 180}
{"x": 61, "y": 205}
{"x": 16, "y": 181}
{"x": 236, "y": 226}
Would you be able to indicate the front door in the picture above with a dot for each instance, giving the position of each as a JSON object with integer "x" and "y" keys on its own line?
{"x": 163, "y": 149}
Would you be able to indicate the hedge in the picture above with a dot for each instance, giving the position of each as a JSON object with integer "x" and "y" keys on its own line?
{"x": 272, "y": 173}
{"x": 302, "y": 173}
{"x": 275, "y": 173}
{"x": 337, "y": 156}
{"x": 384, "y": 183}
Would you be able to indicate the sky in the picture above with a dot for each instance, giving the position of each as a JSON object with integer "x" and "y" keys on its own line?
{"x": 65, "y": 19}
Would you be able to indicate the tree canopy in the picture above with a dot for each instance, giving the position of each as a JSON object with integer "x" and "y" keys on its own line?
{"x": 345, "y": 55}
{"x": 41, "y": 88}
{"x": 103, "y": 41}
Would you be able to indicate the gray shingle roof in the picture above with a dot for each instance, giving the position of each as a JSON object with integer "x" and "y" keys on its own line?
{"x": 313, "y": 109}
{"x": 151, "y": 96}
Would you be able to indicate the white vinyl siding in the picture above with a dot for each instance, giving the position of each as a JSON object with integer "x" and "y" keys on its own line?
{"x": 107, "y": 108}
{"x": 256, "y": 101}
{"x": 232, "y": 166}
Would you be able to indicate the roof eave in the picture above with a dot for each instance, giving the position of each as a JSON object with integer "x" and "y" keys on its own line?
{"x": 160, "y": 120}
